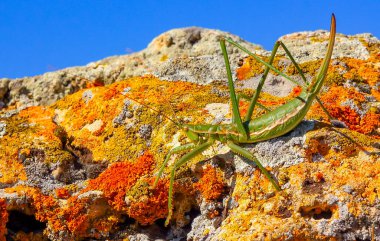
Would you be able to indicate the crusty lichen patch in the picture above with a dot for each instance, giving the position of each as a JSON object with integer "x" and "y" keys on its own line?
{"x": 32, "y": 129}
{"x": 102, "y": 146}
{"x": 3, "y": 219}
{"x": 211, "y": 184}
{"x": 107, "y": 125}
{"x": 351, "y": 107}
{"x": 144, "y": 100}
{"x": 95, "y": 210}
{"x": 315, "y": 193}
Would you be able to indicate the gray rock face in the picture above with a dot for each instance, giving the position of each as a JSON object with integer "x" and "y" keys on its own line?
{"x": 190, "y": 54}
{"x": 307, "y": 46}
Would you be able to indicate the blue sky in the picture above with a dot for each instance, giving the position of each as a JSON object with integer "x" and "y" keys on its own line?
{"x": 47, "y": 35}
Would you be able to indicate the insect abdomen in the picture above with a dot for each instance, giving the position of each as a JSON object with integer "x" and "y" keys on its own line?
{"x": 280, "y": 121}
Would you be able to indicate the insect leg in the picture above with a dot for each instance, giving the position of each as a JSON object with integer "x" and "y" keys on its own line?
{"x": 197, "y": 150}
{"x": 171, "y": 152}
{"x": 333, "y": 121}
{"x": 257, "y": 58}
{"x": 241, "y": 151}
{"x": 268, "y": 66}
{"x": 246, "y": 97}
{"x": 235, "y": 107}
{"x": 253, "y": 102}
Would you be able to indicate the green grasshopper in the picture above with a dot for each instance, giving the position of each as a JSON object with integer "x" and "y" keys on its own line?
{"x": 272, "y": 124}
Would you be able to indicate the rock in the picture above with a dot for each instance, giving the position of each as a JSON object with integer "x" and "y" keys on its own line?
{"x": 80, "y": 163}
{"x": 187, "y": 54}
{"x": 307, "y": 46}
{"x": 3, "y": 87}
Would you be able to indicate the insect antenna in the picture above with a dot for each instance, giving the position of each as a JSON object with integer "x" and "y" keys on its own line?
{"x": 176, "y": 122}
{"x": 174, "y": 113}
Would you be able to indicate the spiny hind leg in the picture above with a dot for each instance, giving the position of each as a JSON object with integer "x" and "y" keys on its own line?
{"x": 197, "y": 150}
{"x": 236, "y": 118}
{"x": 246, "y": 97}
{"x": 241, "y": 151}
{"x": 333, "y": 121}
{"x": 255, "y": 97}
{"x": 171, "y": 152}
{"x": 258, "y": 59}
{"x": 268, "y": 66}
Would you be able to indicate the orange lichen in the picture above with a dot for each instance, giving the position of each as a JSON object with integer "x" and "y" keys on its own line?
{"x": 376, "y": 94}
{"x": 62, "y": 193}
{"x": 76, "y": 217}
{"x": 31, "y": 132}
{"x": 319, "y": 177}
{"x": 43, "y": 117}
{"x": 276, "y": 101}
{"x": 95, "y": 83}
{"x": 363, "y": 69}
{"x": 45, "y": 206}
{"x": 245, "y": 71}
{"x": 83, "y": 214}
{"x": 114, "y": 90}
{"x": 152, "y": 206}
{"x": 3, "y": 219}
{"x": 119, "y": 177}
{"x": 12, "y": 170}
{"x": 243, "y": 107}
{"x": 333, "y": 99}
{"x": 296, "y": 91}
{"x": 211, "y": 184}
{"x": 369, "y": 123}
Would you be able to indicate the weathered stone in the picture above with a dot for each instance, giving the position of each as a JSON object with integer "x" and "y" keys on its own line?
{"x": 84, "y": 166}
{"x": 188, "y": 54}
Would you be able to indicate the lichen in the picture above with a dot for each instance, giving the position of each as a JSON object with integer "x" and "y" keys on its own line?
{"x": 211, "y": 184}
{"x": 119, "y": 177}
{"x": 148, "y": 102}
{"x": 251, "y": 67}
{"x": 313, "y": 194}
{"x": 126, "y": 144}
{"x": 32, "y": 128}
{"x": 150, "y": 206}
{"x": 77, "y": 217}
{"x": 3, "y": 219}
{"x": 333, "y": 99}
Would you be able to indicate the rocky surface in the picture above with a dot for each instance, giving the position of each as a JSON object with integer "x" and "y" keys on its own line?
{"x": 180, "y": 54}
{"x": 81, "y": 166}
{"x": 189, "y": 54}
